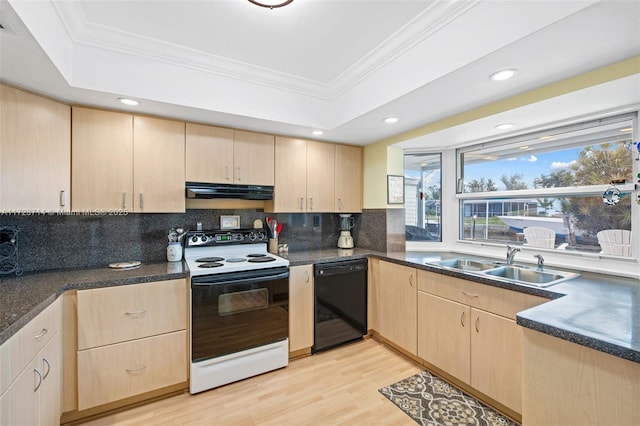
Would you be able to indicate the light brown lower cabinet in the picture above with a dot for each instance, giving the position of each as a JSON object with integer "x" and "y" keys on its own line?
{"x": 114, "y": 372}
{"x": 301, "y": 307}
{"x": 476, "y": 346}
{"x": 397, "y": 305}
{"x": 566, "y": 384}
{"x": 35, "y": 397}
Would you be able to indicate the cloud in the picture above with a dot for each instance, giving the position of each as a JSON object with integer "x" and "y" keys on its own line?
{"x": 557, "y": 165}
{"x": 532, "y": 159}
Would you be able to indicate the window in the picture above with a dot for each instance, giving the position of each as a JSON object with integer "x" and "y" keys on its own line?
{"x": 422, "y": 189}
{"x": 554, "y": 180}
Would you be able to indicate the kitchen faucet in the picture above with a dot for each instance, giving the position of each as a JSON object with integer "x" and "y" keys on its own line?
{"x": 540, "y": 261}
{"x": 511, "y": 253}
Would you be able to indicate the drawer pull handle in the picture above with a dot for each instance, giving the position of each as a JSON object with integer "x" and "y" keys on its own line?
{"x": 411, "y": 280}
{"x": 469, "y": 294}
{"x": 462, "y": 319}
{"x": 131, "y": 370}
{"x": 477, "y": 324}
{"x": 301, "y": 203}
{"x": 41, "y": 334}
{"x": 136, "y": 313}
{"x": 45, "y": 361}
{"x": 306, "y": 278}
{"x": 39, "y": 377}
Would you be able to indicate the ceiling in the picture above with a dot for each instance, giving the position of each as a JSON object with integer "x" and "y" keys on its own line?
{"x": 339, "y": 66}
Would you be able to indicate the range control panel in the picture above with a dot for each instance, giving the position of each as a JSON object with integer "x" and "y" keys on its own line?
{"x": 222, "y": 237}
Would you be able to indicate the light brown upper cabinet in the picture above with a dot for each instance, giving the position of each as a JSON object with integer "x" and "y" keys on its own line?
{"x": 35, "y": 152}
{"x": 304, "y": 176}
{"x": 348, "y": 196}
{"x": 126, "y": 162}
{"x": 219, "y": 155}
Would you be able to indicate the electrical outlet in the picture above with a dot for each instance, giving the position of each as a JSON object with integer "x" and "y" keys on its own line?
{"x": 316, "y": 221}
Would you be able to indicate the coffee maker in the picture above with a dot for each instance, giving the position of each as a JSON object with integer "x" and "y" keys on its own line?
{"x": 345, "y": 240}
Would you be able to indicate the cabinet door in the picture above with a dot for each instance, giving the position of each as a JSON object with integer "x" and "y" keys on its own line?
{"x": 443, "y": 334}
{"x": 398, "y": 305}
{"x": 21, "y": 402}
{"x": 35, "y": 152}
{"x": 300, "y": 307}
{"x": 209, "y": 154}
{"x": 50, "y": 364}
{"x": 102, "y": 159}
{"x": 320, "y": 176}
{"x": 290, "y": 191}
{"x": 373, "y": 290}
{"x": 253, "y": 158}
{"x": 114, "y": 372}
{"x": 496, "y": 358}
{"x": 348, "y": 179}
{"x": 158, "y": 165}
{"x": 117, "y": 314}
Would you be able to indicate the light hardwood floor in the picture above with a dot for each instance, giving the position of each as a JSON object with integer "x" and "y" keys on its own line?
{"x": 337, "y": 387}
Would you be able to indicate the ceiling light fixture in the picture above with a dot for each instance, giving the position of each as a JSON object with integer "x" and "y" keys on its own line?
{"x": 271, "y": 4}
{"x": 318, "y": 132}
{"x": 504, "y": 126}
{"x": 127, "y": 101}
{"x": 503, "y": 75}
{"x": 545, "y": 137}
{"x": 627, "y": 130}
{"x": 391, "y": 120}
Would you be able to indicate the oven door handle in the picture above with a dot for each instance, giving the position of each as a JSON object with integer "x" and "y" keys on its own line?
{"x": 206, "y": 281}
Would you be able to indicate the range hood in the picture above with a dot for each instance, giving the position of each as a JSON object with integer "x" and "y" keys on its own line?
{"x": 219, "y": 190}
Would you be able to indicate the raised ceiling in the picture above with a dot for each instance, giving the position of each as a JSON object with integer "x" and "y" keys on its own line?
{"x": 339, "y": 66}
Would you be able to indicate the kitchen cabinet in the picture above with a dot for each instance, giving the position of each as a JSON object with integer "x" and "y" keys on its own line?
{"x": 397, "y": 305}
{"x": 567, "y": 384}
{"x": 373, "y": 290}
{"x": 131, "y": 339}
{"x": 127, "y": 163}
{"x": 304, "y": 176}
{"x": 348, "y": 180}
{"x": 301, "y": 308}
{"x": 32, "y": 372}
{"x": 35, "y": 152}
{"x": 468, "y": 330}
{"x": 220, "y": 155}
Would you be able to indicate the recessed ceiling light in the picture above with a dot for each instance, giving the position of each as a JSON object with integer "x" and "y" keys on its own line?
{"x": 627, "y": 130}
{"x": 545, "y": 137}
{"x": 391, "y": 120}
{"x": 524, "y": 147}
{"x": 503, "y": 75}
{"x": 504, "y": 126}
{"x": 317, "y": 132}
{"x": 127, "y": 101}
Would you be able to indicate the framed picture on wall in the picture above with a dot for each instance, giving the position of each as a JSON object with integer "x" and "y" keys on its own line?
{"x": 395, "y": 189}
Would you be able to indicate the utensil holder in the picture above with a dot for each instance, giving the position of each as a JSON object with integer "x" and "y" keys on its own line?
{"x": 273, "y": 245}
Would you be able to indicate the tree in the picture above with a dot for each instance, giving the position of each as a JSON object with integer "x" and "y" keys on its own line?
{"x": 481, "y": 185}
{"x": 600, "y": 165}
{"x": 513, "y": 182}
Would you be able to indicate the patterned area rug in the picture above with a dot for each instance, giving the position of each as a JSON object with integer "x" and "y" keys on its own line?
{"x": 431, "y": 401}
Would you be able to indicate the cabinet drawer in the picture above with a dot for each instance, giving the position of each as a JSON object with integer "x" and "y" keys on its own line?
{"x": 492, "y": 299}
{"x": 119, "y": 314}
{"x": 119, "y": 371}
{"x": 20, "y": 349}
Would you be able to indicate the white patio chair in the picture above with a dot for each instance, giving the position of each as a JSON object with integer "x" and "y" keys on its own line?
{"x": 615, "y": 241}
{"x": 537, "y": 236}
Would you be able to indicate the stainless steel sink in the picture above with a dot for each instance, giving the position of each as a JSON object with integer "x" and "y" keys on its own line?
{"x": 517, "y": 274}
{"x": 529, "y": 276}
{"x": 465, "y": 264}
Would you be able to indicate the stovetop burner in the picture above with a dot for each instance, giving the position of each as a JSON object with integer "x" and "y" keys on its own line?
{"x": 256, "y": 255}
{"x": 210, "y": 265}
{"x": 261, "y": 259}
{"x": 210, "y": 259}
{"x": 236, "y": 259}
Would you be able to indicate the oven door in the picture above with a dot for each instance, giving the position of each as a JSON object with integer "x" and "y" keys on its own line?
{"x": 235, "y": 311}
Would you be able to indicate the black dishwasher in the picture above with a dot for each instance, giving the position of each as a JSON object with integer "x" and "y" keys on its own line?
{"x": 340, "y": 303}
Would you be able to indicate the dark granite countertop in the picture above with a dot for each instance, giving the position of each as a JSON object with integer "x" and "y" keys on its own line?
{"x": 594, "y": 310}
{"x": 599, "y": 311}
{"x": 26, "y": 296}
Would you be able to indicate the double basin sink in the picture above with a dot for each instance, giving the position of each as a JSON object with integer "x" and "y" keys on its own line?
{"x": 517, "y": 274}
